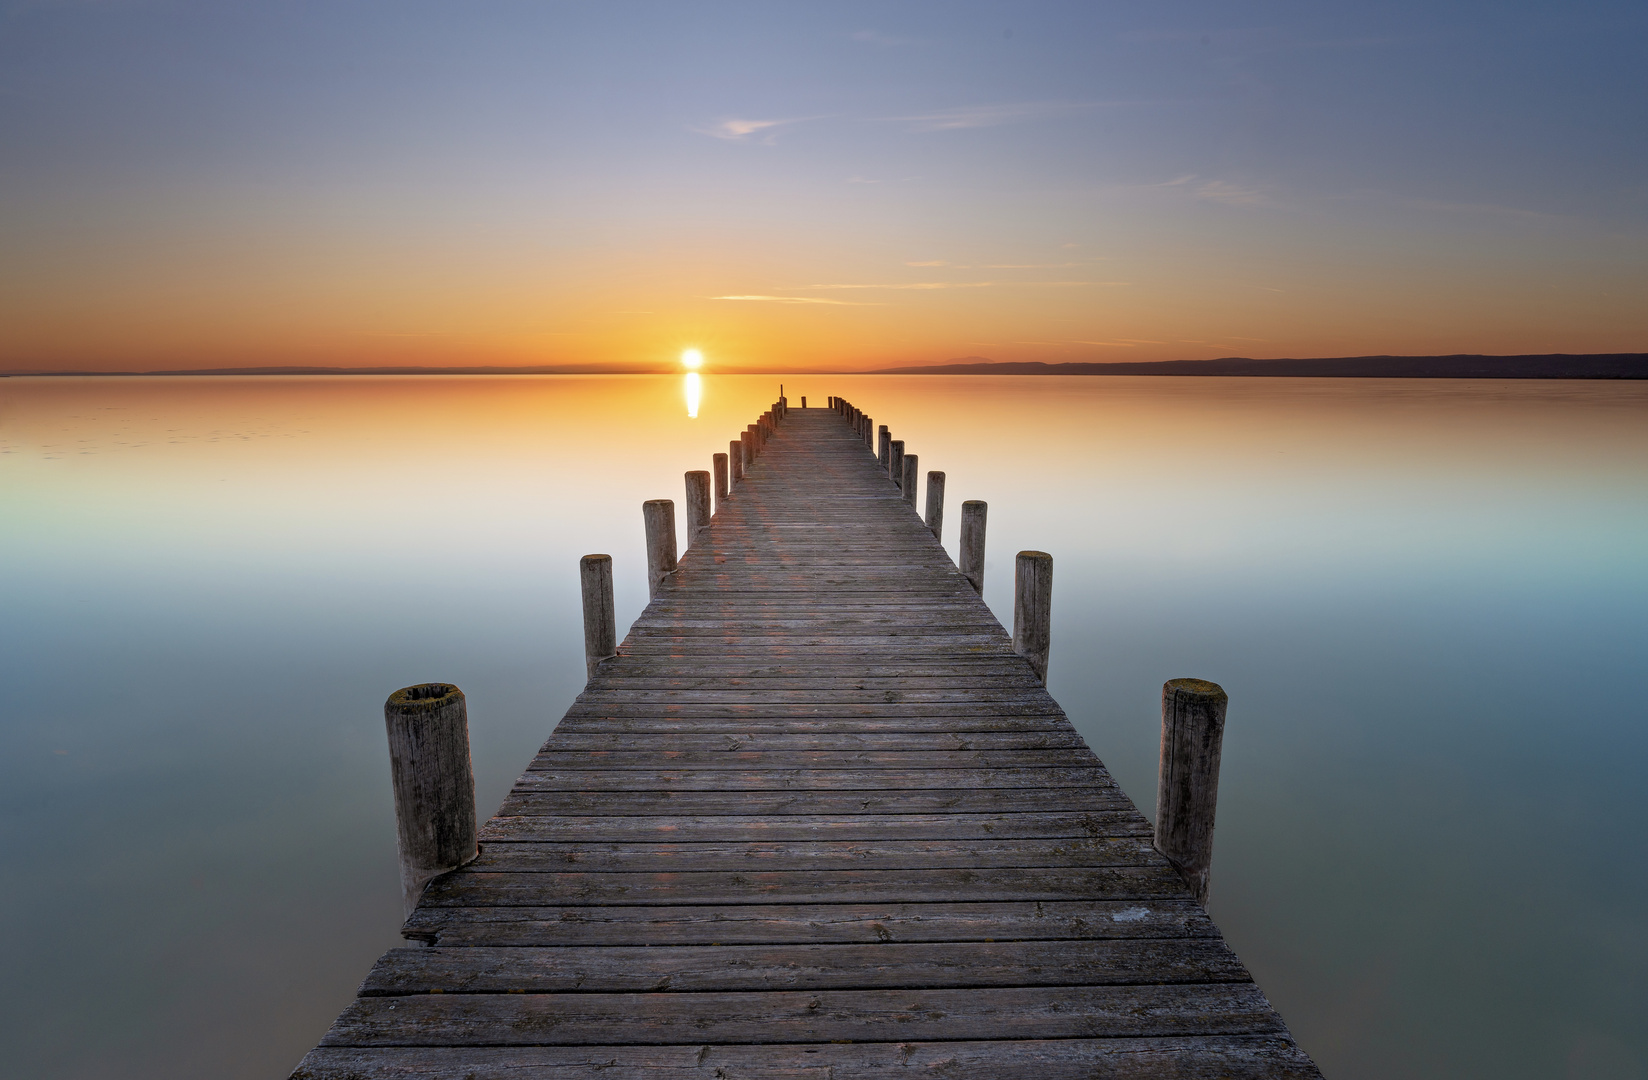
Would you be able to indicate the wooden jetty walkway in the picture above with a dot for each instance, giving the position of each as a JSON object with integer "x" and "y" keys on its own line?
{"x": 816, "y": 819}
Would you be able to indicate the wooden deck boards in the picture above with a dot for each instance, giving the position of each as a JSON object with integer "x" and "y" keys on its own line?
{"x": 817, "y": 820}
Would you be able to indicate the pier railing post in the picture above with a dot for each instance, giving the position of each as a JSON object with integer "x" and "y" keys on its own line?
{"x": 869, "y": 432}
{"x": 895, "y": 461}
{"x": 935, "y": 503}
{"x": 1033, "y": 608}
{"x": 884, "y": 446}
{"x": 659, "y": 515}
{"x": 1187, "y": 787}
{"x": 971, "y": 564}
{"x": 428, "y": 728}
{"x": 718, "y": 462}
{"x": 698, "y": 504}
{"x": 735, "y": 462}
{"x": 600, "y": 618}
{"x": 912, "y": 473}
{"x": 747, "y": 451}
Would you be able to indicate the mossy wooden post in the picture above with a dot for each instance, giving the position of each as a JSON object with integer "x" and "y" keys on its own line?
{"x": 735, "y": 462}
{"x": 1187, "y": 786}
{"x": 884, "y": 446}
{"x": 912, "y": 466}
{"x": 600, "y": 618}
{"x": 659, "y": 515}
{"x": 429, "y": 766}
{"x": 1033, "y": 608}
{"x": 971, "y": 564}
{"x": 698, "y": 504}
{"x": 935, "y": 503}
{"x": 718, "y": 462}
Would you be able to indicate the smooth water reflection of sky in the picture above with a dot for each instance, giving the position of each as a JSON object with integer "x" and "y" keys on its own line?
{"x": 1427, "y": 600}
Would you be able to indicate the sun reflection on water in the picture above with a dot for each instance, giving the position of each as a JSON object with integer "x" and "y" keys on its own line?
{"x": 693, "y": 385}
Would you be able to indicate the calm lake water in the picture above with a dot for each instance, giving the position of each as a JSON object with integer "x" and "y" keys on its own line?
{"x": 1427, "y": 600}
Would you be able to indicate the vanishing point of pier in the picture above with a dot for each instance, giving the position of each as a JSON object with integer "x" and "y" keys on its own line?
{"x": 815, "y": 817}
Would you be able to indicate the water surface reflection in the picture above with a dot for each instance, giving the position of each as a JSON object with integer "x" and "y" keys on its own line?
{"x": 1419, "y": 595}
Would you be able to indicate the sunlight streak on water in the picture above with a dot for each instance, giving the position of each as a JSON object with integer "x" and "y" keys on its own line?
{"x": 693, "y": 386}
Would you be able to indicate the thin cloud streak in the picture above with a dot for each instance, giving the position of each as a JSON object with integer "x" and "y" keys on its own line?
{"x": 799, "y": 300}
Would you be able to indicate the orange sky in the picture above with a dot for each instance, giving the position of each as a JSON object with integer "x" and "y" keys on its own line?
{"x": 815, "y": 190}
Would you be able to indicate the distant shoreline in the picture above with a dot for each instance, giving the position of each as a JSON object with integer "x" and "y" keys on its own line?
{"x": 1457, "y": 366}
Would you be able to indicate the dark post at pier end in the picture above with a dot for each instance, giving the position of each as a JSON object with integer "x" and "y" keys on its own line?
{"x": 600, "y": 617}
{"x": 1033, "y": 609}
{"x": 1187, "y": 788}
{"x": 974, "y": 513}
{"x": 428, "y": 727}
{"x": 659, "y": 516}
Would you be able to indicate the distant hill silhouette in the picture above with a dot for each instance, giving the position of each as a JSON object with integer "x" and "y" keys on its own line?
{"x": 1460, "y": 366}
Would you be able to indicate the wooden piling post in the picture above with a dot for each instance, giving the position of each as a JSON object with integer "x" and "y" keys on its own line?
{"x": 1033, "y": 608}
{"x": 895, "y": 461}
{"x": 911, "y": 475}
{"x": 718, "y": 463}
{"x": 428, "y": 728}
{"x": 749, "y": 447}
{"x": 935, "y": 503}
{"x": 803, "y": 401}
{"x": 869, "y": 430}
{"x": 659, "y": 515}
{"x": 971, "y": 564}
{"x": 735, "y": 462}
{"x": 884, "y": 446}
{"x": 1187, "y": 786}
{"x": 698, "y": 504}
{"x": 600, "y": 618}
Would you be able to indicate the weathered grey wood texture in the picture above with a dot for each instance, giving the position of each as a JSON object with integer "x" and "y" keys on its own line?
{"x": 816, "y": 819}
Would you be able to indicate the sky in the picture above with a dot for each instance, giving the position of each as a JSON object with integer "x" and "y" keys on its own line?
{"x": 816, "y": 186}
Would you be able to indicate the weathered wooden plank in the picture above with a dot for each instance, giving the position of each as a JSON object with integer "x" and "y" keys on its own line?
{"x": 881, "y": 966}
{"x": 469, "y": 888}
{"x": 789, "y": 924}
{"x": 815, "y": 779}
{"x": 677, "y": 829}
{"x": 653, "y": 759}
{"x": 574, "y": 741}
{"x": 528, "y": 802}
{"x": 1202, "y": 1057}
{"x": 807, "y": 1016}
{"x": 506, "y": 856}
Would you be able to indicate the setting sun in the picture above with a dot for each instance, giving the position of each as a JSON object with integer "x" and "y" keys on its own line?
{"x": 692, "y": 358}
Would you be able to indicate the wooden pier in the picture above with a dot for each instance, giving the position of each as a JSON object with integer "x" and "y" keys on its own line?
{"x": 815, "y": 819}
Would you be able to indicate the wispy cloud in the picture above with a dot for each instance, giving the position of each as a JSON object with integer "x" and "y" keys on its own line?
{"x": 741, "y": 130}
{"x": 981, "y": 116}
{"x": 798, "y": 300}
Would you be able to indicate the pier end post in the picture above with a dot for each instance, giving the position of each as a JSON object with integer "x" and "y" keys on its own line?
{"x": 912, "y": 474}
{"x": 1033, "y": 608}
{"x": 1187, "y": 786}
{"x": 973, "y": 515}
{"x": 659, "y": 515}
{"x": 935, "y": 503}
{"x": 429, "y": 766}
{"x": 600, "y": 617}
{"x": 698, "y": 504}
{"x": 718, "y": 462}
